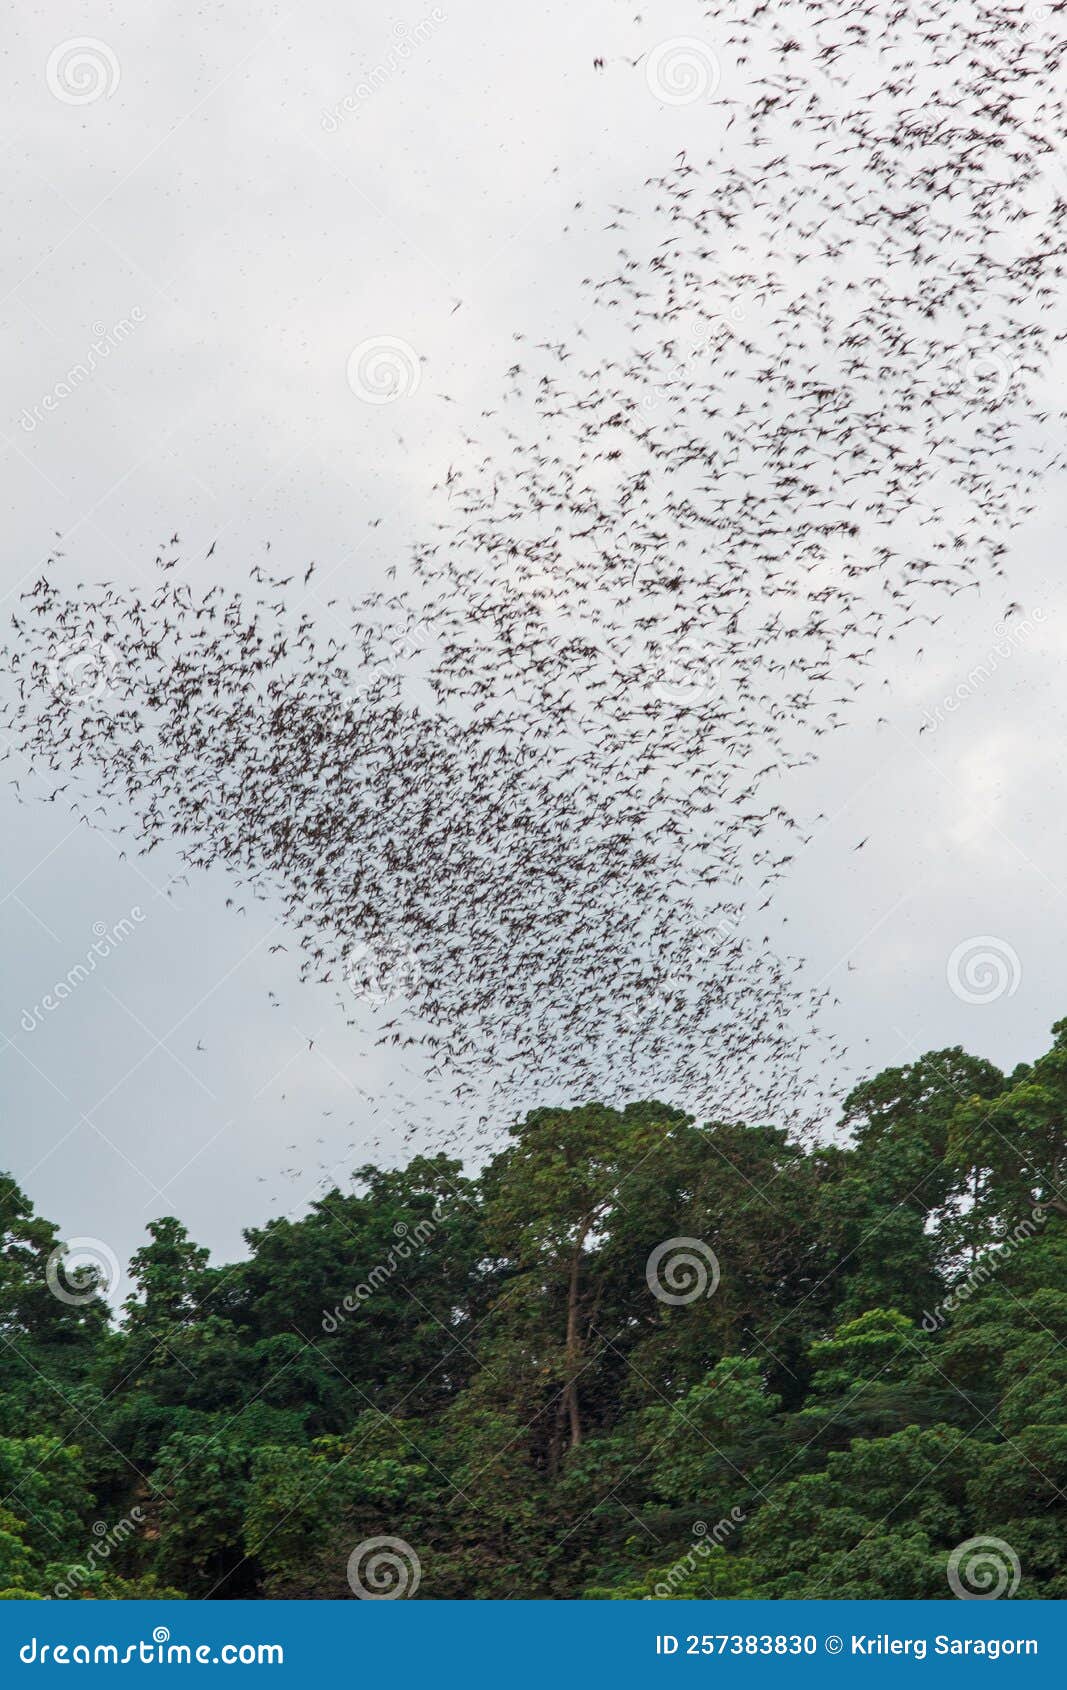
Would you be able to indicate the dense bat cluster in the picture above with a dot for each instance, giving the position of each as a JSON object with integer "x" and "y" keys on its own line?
{"x": 531, "y": 807}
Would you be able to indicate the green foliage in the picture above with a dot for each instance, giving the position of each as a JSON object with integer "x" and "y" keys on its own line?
{"x": 486, "y": 1370}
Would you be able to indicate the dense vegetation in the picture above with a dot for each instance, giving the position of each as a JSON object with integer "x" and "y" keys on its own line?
{"x": 486, "y": 1368}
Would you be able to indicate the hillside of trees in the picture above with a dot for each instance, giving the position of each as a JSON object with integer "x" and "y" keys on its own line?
{"x": 634, "y": 1355}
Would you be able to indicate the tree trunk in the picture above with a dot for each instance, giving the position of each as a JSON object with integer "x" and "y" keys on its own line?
{"x": 570, "y": 1395}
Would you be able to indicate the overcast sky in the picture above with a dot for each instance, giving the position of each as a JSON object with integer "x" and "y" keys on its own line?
{"x": 226, "y": 204}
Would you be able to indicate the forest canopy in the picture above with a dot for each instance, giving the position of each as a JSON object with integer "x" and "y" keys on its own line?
{"x": 631, "y": 1356}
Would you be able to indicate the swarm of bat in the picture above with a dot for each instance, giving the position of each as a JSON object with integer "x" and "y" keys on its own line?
{"x": 523, "y": 809}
